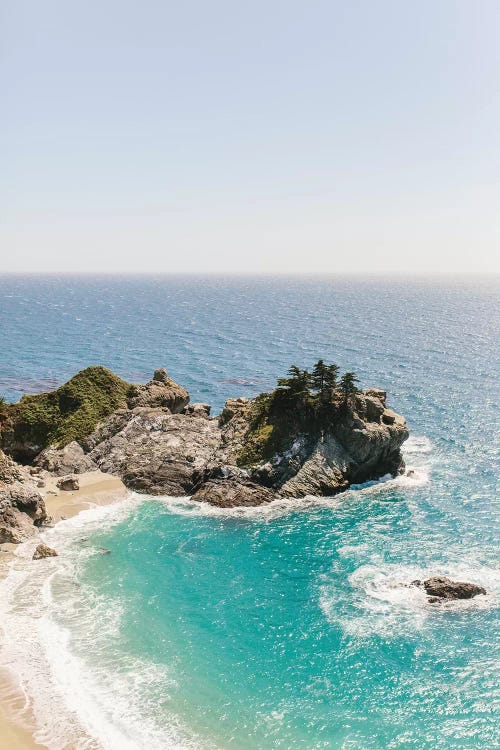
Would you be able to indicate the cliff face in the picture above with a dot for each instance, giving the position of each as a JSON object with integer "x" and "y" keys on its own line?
{"x": 256, "y": 450}
{"x": 21, "y": 505}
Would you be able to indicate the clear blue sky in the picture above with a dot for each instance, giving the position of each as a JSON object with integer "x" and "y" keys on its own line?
{"x": 360, "y": 135}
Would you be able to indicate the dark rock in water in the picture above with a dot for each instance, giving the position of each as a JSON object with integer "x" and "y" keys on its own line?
{"x": 231, "y": 494}
{"x": 439, "y": 588}
{"x": 448, "y": 589}
{"x": 69, "y": 483}
{"x": 43, "y": 551}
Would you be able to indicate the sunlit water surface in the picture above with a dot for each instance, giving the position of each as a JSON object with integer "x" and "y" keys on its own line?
{"x": 288, "y": 626}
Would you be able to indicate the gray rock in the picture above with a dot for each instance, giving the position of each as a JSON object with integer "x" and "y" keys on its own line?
{"x": 160, "y": 392}
{"x": 43, "y": 551}
{"x": 159, "y": 453}
{"x": 231, "y": 494}
{"x": 21, "y": 506}
{"x": 62, "y": 461}
{"x": 69, "y": 483}
{"x": 197, "y": 410}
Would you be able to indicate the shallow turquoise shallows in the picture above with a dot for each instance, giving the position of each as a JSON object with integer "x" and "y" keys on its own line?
{"x": 290, "y": 626}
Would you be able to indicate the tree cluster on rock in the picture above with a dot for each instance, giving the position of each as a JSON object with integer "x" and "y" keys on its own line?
{"x": 319, "y": 386}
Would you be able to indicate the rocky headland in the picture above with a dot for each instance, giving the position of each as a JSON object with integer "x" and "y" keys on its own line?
{"x": 312, "y": 437}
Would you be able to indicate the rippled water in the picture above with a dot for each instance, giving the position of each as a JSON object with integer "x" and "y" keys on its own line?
{"x": 288, "y": 626}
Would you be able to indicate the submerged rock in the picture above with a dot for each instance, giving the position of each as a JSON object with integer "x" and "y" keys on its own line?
{"x": 230, "y": 494}
{"x": 43, "y": 551}
{"x": 439, "y": 588}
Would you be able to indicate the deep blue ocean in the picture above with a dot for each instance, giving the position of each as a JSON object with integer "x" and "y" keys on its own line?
{"x": 286, "y": 626}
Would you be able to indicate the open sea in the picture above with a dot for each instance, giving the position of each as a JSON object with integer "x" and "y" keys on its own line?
{"x": 284, "y": 626}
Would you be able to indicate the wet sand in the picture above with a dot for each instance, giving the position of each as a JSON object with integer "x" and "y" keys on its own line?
{"x": 96, "y": 489}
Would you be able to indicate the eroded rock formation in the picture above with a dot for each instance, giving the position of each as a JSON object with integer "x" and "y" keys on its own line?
{"x": 276, "y": 445}
{"x": 21, "y": 504}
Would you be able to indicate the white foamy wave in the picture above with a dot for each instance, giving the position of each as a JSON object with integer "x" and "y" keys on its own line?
{"x": 383, "y": 601}
{"x": 185, "y": 506}
{"x": 61, "y": 642}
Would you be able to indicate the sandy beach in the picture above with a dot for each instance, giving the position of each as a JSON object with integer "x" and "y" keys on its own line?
{"x": 96, "y": 489}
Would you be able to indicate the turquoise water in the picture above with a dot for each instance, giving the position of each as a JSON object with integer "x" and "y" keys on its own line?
{"x": 288, "y": 626}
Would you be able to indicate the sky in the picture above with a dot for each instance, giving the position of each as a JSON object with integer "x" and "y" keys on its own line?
{"x": 262, "y": 137}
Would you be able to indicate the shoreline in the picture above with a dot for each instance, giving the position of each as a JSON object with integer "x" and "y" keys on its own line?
{"x": 96, "y": 489}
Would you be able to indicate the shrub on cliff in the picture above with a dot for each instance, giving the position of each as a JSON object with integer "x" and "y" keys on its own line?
{"x": 69, "y": 413}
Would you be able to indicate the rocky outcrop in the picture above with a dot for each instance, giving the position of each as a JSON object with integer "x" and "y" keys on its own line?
{"x": 288, "y": 443}
{"x": 157, "y": 452}
{"x": 42, "y": 551}
{"x": 160, "y": 392}
{"x": 189, "y": 453}
{"x": 440, "y": 588}
{"x": 21, "y": 505}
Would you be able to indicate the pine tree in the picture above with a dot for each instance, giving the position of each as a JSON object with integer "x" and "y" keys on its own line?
{"x": 318, "y": 376}
{"x": 331, "y": 376}
{"x": 348, "y": 385}
{"x": 297, "y": 384}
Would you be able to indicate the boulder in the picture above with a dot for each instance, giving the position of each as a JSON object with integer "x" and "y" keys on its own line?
{"x": 440, "y": 587}
{"x": 197, "y": 410}
{"x": 231, "y": 494}
{"x": 69, "y": 483}
{"x": 377, "y": 393}
{"x": 43, "y": 551}
{"x": 15, "y": 526}
{"x": 62, "y": 461}
{"x": 160, "y": 392}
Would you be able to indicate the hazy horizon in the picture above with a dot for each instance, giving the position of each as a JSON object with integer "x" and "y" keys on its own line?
{"x": 264, "y": 139}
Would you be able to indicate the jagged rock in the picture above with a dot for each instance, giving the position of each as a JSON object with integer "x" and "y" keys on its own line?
{"x": 389, "y": 416}
{"x": 231, "y": 494}
{"x": 232, "y": 408}
{"x": 160, "y": 392}
{"x": 377, "y": 393}
{"x": 440, "y": 587}
{"x": 156, "y": 452}
{"x": 43, "y": 551}
{"x": 197, "y": 410}
{"x": 273, "y": 445}
{"x": 21, "y": 506}
{"x": 69, "y": 483}
{"x": 62, "y": 461}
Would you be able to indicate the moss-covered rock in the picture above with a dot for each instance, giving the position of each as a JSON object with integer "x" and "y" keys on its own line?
{"x": 69, "y": 413}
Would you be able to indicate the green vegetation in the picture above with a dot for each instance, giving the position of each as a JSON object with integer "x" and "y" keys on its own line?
{"x": 304, "y": 402}
{"x": 71, "y": 412}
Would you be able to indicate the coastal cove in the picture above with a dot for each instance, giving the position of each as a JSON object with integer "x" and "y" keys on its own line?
{"x": 170, "y": 622}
